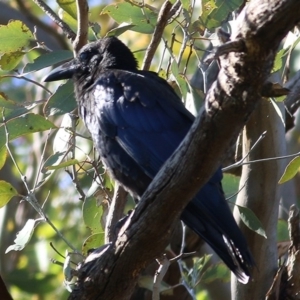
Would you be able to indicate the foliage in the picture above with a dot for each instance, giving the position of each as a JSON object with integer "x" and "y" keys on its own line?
{"x": 46, "y": 156}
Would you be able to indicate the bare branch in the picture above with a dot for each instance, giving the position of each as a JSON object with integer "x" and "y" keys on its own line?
{"x": 50, "y": 13}
{"x": 162, "y": 21}
{"x": 83, "y": 25}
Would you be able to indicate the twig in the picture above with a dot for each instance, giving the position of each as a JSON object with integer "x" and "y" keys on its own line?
{"x": 164, "y": 264}
{"x": 41, "y": 162}
{"x": 241, "y": 162}
{"x": 186, "y": 36}
{"x": 184, "y": 282}
{"x": 162, "y": 21}
{"x": 263, "y": 160}
{"x": 175, "y": 11}
{"x": 74, "y": 119}
{"x": 50, "y": 13}
{"x": 82, "y": 26}
{"x": 27, "y": 79}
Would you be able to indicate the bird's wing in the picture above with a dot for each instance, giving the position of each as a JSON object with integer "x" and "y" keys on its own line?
{"x": 143, "y": 114}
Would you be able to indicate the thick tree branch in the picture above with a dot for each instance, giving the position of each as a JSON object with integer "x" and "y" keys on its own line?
{"x": 230, "y": 101}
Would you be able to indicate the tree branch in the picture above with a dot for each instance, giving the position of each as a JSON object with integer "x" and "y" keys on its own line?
{"x": 50, "y": 13}
{"x": 229, "y": 103}
{"x": 83, "y": 25}
{"x": 162, "y": 20}
{"x": 115, "y": 213}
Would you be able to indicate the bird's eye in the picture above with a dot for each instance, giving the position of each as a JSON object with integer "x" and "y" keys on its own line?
{"x": 85, "y": 56}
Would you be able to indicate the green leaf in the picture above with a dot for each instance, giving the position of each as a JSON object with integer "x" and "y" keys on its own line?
{"x": 278, "y": 60}
{"x": 251, "y": 221}
{"x": 186, "y": 4}
{"x": 62, "y": 101}
{"x": 7, "y": 191}
{"x": 120, "y": 29}
{"x": 180, "y": 80}
{"x": 93, "y": 241}
{"x": 92, "y": 213}
{"x": 9, "y": 61}
{"x": 10, "y": 108}
{"x": 48, "y": 59}
{"x": 194, "y": 99}
{"x": 22, "y": 125}
{"x": 23, "y": 236}
{"x": 143, "y": 18}
{"x": 207, "y": 7}
{"x": 6, "y": 103}
{"x": 64, "y": 164}
{"x": 291, "y": 170}
{"x": 69, "y": 6}
{"x": 3, "y": 156}
{"x": 14, "y": 36}
{"x": 215, "y": 12}
{"x": 72, "y": 22}
{"x": 47, "y": 169}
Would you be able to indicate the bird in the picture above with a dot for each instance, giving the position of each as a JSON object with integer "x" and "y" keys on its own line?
{"x": 136, "y": 121}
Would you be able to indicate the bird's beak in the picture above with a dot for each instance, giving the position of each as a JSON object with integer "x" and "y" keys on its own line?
{"x": 64, "y": 71}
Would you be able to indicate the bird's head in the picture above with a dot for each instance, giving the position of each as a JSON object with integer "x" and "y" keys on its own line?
{"x": 105, "y": 53}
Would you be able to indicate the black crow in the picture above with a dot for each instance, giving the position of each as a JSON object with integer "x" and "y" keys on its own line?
{"x": 136, "y": 121}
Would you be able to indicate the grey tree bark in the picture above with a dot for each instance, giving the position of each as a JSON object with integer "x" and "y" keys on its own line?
{"x": 261, "y": 193}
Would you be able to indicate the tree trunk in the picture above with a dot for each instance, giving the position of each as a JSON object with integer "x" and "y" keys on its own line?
{"x": 261, "y": 193}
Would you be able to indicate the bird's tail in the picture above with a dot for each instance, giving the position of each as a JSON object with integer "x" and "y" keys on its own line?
{"x": 209, "y": 215}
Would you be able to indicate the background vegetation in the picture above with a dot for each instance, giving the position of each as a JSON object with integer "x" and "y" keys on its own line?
{"x": 55, "y": 193}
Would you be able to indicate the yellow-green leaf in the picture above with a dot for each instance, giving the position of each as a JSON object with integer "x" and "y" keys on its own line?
{"x": 93, "y": 241}
{"x": 14, "y": 37}
{"x": 64, "y": 164}
{"x": 9, "y": 61}
{"x": 92, "y": 213}
{"x": 22, "y": 125}
{"x": 143, "y": 18}
{"x": 291, "y": 170}
{"x": 7, "y": 191}
{"x": 69, "y": 6}
{"x": 3, "y": 156}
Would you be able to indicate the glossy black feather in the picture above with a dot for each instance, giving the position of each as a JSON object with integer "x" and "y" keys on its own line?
{"x": 137, "y": 121}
